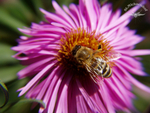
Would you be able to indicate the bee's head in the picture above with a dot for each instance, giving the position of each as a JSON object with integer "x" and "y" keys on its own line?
{"x": 75, "y": 49}
{"x": 82, "y": 53}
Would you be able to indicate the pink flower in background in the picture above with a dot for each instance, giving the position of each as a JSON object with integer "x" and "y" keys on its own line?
{"x": 64, "y": 86}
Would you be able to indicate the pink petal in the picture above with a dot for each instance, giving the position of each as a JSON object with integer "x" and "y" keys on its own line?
{"x": 123, "y": 18}
{"x": 91, "y": 14}
{"x": 35, "y": 79}
{"x": 130, "y": 68}
{"x": 89, "y": 100}
{"x": 134, "y": 81}
{"x": 71, "y": 15}
{"x": 62, "y": 103}
{"x": 56, "y": 18}
{"x": 33, "y": 66}
{"x": 81, "y": 105}
{"x": 106, "y": 98}
{"x": 63, "y": 14}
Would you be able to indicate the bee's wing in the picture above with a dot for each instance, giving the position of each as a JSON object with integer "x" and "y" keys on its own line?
{"x": 90, "y": 70}
{"x": 113, "y": 56}
{"x": 93, "y": 74}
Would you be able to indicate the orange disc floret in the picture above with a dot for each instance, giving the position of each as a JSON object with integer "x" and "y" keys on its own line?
{"x": 82, "y": 37}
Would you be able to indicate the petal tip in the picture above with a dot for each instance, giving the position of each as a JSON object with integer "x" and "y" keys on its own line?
{"x": 42, "y": 10}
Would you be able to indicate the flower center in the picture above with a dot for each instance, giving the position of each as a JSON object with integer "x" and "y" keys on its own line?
{"x": 85, "y": 39}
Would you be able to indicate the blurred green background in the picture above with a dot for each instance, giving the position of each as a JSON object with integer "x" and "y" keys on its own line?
{"x": 20, "y": 13}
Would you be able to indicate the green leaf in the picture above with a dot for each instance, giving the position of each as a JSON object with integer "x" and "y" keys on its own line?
{"x": 141, "y": 104}
{"x": 6, "y": 94}
{"x": 38, "y": 4}
{"x": 13, "y": 86}
{"x": 24, "y": 106}
{"x": 42, "y": 104}
{"x": 142, "y": 100}
{"x": 19, "y": 107}
{"x": 6, "y": 54}
{"x": 102, "y": 2}
{"x": 10, "y": 21}
{"x": 23, "y": 12}
{"x": 9, "y": 73}
{"x": 66, "y": 2}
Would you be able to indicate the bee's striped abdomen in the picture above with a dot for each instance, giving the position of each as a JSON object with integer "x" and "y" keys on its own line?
{"x": 107, "y": 72}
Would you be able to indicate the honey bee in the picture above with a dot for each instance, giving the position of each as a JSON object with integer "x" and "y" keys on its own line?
{"x": 92, "y": 61}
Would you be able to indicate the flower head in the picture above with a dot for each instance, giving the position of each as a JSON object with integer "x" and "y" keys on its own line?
{"x": 60, "y": 80}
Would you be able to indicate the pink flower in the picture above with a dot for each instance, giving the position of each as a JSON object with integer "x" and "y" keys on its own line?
{"x": 58, "y": 80}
